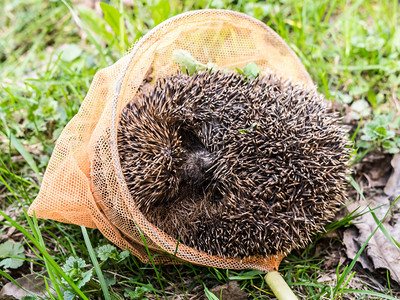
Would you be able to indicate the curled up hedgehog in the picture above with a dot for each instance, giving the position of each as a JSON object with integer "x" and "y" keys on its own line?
{"x": 233, "y": 166}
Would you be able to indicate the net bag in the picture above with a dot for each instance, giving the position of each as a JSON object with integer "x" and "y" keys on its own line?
{"x": 84, "y": 183}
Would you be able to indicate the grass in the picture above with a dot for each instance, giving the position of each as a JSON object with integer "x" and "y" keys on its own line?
{"x": 49, "y": 53}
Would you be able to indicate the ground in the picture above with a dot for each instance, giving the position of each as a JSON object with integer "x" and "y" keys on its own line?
{"x": 49, "y": 53}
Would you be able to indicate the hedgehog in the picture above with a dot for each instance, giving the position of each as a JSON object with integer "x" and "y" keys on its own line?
{"x": 234, "y": 166}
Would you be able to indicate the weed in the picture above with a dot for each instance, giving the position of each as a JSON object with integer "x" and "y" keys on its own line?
{"x": 380, "y": 132}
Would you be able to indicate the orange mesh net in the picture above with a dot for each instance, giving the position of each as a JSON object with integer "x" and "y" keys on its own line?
{"x": 72, "y": 192}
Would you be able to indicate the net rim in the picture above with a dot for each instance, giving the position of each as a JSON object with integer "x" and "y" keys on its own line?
{"x": 155, "y": 32}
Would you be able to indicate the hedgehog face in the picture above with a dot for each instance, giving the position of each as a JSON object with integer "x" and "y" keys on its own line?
{"x": 234, "y": 167}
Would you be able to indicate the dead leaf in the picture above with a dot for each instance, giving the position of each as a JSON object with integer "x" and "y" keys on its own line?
{"x": 350, "y": 239}
{"x": 230, "y": 291}
{"x": 392, "y": 187}
{"x": 374, "y": 170}
{"x": 13, "y": 211}
{"x": 332, "y": 251}
{"x": 380, "y": 250}
{"x": 32, "y": 282}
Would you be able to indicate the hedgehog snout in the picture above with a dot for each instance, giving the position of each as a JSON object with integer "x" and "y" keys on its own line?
{"x": 196, "y": 165}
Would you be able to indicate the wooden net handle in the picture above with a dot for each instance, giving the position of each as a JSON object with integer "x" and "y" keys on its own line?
{"x": 279, "y": 286}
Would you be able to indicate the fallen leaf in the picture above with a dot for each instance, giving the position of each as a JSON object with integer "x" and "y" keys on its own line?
{"x": 351, "y": 240}
{"x": 332, "y": 250}
{"x": 380, "y": 249}
{"x": 375, "y": 170}
{"x": 392, "y": 187}
{"x": 13, "y": 211}
{"x": 33, "y": 283}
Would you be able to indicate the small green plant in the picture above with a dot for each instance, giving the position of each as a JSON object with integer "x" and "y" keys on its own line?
{"x": 29, "y": 297}
{"x": 380, "y": 132}
{"x": 250, "y": 129}
{"x": 139, "y": 292}
{"x": 110, "y": 252}
{"x": 191, "y": 65}
{"x": 12, "y": 254}
{"x": 75, "y": 269}
{"x": 251, "y": 70}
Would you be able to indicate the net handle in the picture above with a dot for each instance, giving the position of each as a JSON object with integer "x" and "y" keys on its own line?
{"x": 279, "y": 286}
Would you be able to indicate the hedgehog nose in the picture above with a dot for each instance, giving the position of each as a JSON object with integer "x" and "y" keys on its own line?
{"x": 196, "y": 166}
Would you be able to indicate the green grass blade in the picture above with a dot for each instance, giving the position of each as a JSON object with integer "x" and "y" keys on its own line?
{"x": 49, "y": 266}
{"x": 151, "y": 260}
{"x": 209, "y": 295}
{"x": 20, "y": 148}
{"x": 45, "y": 254}
{"x": 90, "y": 36}
{"x": 370, "y": 293}
{"x": 95, "y": 264}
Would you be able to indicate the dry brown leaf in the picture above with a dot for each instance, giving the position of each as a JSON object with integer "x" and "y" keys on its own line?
{"x": 350, "y": 237}
{"x": 32, "y": 282}
{"x": 374, "y": 170}
{"x": 380, "y": 250}
{"x": 392, "y": 187}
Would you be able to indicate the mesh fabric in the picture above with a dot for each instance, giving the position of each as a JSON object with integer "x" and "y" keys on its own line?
{"x": 83, "y": 183}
